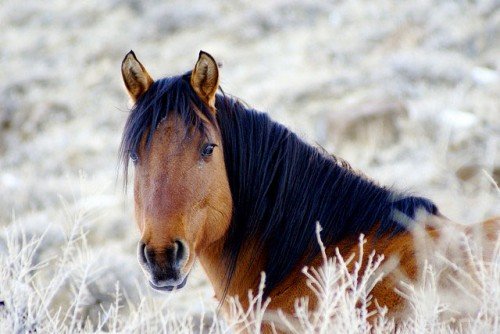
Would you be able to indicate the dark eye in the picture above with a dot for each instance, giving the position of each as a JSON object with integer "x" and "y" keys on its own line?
{"x": 207, "y": 150}
{"x": 133, "y": 156}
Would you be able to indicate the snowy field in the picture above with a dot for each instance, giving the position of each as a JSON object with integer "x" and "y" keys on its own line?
{"x": 406, "y": 91}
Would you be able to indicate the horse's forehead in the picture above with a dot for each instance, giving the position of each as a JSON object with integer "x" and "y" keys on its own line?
{"x": 172, "y": 144}
{"x": 171, "y": 132}
{"x": 170, "y": 125}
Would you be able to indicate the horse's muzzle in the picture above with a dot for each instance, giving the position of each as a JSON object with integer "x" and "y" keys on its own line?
{"x": 169, "y": 287}
{"x": 163, "y": 267}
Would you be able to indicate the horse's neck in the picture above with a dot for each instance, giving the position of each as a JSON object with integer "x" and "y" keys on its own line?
{"x": 244, "y": 278}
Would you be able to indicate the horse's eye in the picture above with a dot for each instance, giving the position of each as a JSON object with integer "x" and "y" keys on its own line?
{"x": 207, "y": 150}
{"x": 133, "y": 156}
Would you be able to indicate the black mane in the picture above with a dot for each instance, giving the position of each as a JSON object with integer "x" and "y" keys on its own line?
{"x": 281, "y": 186}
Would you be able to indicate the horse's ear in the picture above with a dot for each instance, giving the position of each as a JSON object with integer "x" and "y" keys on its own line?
{"x": 205, "y": 78}
{"x": 137, "y": 80}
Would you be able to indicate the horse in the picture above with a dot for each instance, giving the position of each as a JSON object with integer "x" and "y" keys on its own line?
{"x": 218, "y": 181}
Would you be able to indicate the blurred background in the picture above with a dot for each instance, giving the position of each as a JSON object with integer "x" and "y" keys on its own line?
{"x": 406, "y": 91}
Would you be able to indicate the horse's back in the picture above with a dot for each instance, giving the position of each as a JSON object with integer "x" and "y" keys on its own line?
{"x": 399, "y": 248}
{"x": 487, "y": 235}
{"x": 404, "y": 255}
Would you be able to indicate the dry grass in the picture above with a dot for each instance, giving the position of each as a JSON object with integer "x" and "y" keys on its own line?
{"x": 469, "y": 302}
{"x": 405, "y": 91}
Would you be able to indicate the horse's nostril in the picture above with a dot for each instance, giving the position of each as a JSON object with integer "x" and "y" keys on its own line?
{"x": 170, "y": 258}
{"x": 181, "y": 252}
{"x": 143, "y": 252}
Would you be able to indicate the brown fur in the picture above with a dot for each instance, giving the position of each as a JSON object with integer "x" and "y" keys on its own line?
{"x": 403, "y": 248}
{"x": 135, "y": 76}
{"x": 205, "y": 79}
{"x": 192, "y": 209}
{"x": 179, "y": 196}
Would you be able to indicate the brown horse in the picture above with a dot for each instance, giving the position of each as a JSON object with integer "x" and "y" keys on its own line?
{"x": 220, "y": 182}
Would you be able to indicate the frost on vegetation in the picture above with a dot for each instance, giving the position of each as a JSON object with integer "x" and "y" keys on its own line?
{"x": 343, "y": 296}
{"x": 452, "y": 295}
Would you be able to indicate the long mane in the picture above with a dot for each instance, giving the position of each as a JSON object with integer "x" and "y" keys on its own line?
{"x": 281, "y": 186}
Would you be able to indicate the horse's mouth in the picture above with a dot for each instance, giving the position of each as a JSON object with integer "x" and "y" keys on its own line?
{"x": 169, "y": 287}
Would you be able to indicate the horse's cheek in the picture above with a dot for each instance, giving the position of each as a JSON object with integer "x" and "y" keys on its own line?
{"x": 196, "y": 227}
{"x": 138, "y": 208}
